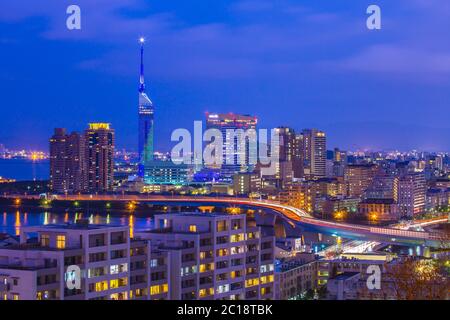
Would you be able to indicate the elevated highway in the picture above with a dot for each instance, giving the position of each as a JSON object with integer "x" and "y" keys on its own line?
{"x": 295, "y": 217}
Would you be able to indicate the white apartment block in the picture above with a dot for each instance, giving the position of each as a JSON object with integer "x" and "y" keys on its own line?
{"x": 32, "y": 271}
{"x": 214, "y": 256}
{"x": 111, "y": 266}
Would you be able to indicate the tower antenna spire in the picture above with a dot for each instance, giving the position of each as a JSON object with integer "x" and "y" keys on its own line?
{"x": 141, "y": 77}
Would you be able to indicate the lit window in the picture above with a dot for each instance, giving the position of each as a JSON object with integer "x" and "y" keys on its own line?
{"x": 114, "y": 269}
{"x": 251, "y": 282}
{"x": 237, "y": 237}
{"x": 45, "y": 240}
{"x": 163, "y": 288}
{"x": 192, "y": 228}
{"x": 61, "y": 241}
{"x": 101, "y": 286}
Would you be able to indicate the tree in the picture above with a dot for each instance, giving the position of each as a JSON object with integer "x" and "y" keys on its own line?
{"x": 414, "y": 279}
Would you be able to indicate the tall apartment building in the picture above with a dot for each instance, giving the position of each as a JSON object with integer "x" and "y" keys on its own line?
{"x": 99, "y": 149}
{"x": 66, "y": 161}
{"x": 358, "y": 178}
{"x": 286, "y": 143}
{"x": 82, "y": 162}
{"x": 215, "y": 256}
{"x": 314, "y": 153}
{"x": 411, "y": 193}
{"x": 234, "y": 128}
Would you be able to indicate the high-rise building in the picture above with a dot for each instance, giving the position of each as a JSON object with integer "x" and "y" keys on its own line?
{"x": 146, "y": 121}
{"x": 99, "y": 149}
{"x": 76, "y": 158}
{"x": 411, "y": 194}
{"x": 237, "y": 147}
{"x": 58, "y": 162}
{"x": 358, "y": 178}
{"x": 287, "y": 143}
{"x": 297, "y": 161}
{"x": 339, "y": 162}
{"x": 66, "y": 161}
{"x": 215, "y": 256}
{"x": 314, "y": 153}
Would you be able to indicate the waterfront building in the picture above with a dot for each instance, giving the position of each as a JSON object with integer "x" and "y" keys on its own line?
{"x": 66, "y": 161}
{"x": 99, "y": 149}
{"x": 166, "y": 173}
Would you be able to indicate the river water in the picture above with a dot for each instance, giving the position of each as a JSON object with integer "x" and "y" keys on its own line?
{"x": 12, "y": 221}
{"x": 23, "y": 169}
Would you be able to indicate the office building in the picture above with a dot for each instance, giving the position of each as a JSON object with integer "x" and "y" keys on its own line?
{"x": 246, "y": 183}
{"x": 240, "y": 151}
{"x": 159, "y": 172}
{"x": 314, "y": 146}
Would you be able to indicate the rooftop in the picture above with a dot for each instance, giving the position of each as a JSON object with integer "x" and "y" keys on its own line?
{"x": 378, "y": 201}
{"x": 345, "y": 275}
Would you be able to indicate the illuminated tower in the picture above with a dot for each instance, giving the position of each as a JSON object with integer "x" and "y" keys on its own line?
{"x": 145, "y": 145}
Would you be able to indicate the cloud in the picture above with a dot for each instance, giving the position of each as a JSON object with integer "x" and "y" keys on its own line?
{"x": 397, "y": 60}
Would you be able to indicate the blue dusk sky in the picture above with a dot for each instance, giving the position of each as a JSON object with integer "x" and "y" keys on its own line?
{"x": 291, "y": 63}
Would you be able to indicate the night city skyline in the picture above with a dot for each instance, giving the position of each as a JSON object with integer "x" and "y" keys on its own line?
{"x": 226, "y": 158}
{"x": 289, "y": 64}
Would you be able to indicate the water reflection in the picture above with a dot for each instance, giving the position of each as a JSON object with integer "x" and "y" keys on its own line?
{"x": 12, "y": 222}
{"x": 17, "y": 224}
{"x": 131, "y": 225}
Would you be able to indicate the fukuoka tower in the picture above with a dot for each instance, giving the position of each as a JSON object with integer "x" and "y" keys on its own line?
{"x": 146, "y": 120}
